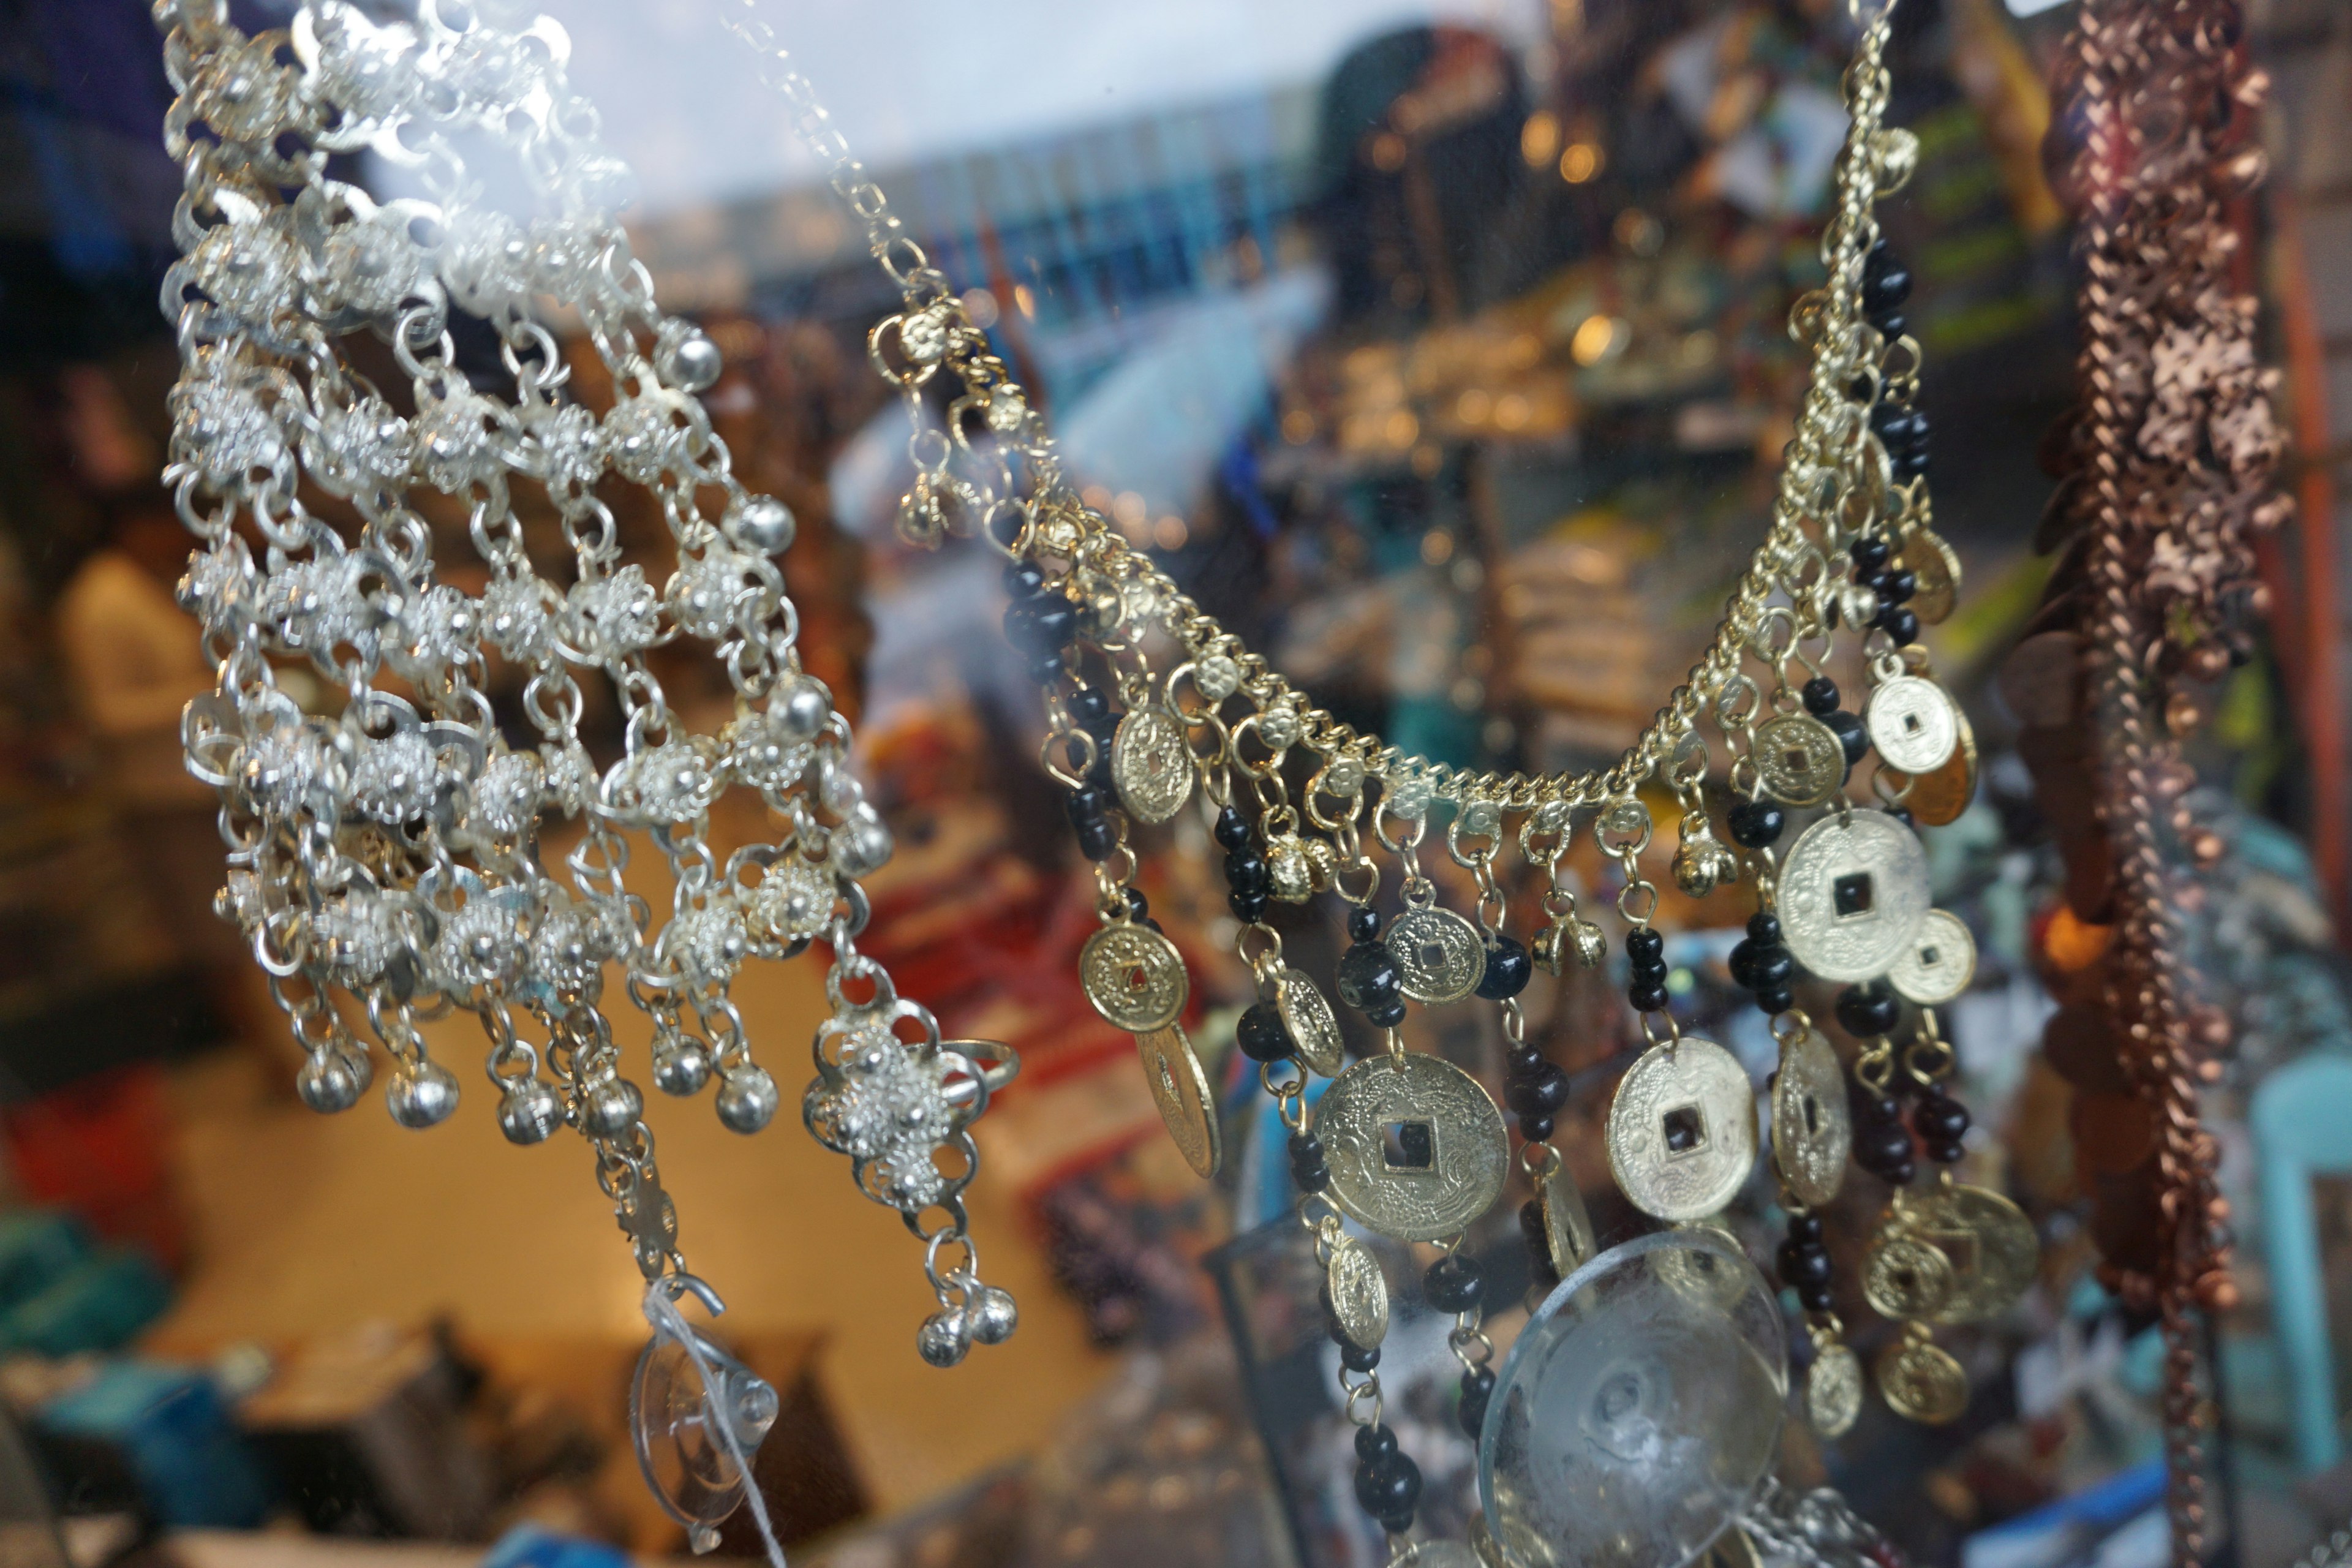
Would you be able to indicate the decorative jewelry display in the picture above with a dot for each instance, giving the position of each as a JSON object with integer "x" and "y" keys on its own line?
{"x": 2168, "y": 466}
{"x": 1405, "y": 1143}
{"x": 386, "y": 853}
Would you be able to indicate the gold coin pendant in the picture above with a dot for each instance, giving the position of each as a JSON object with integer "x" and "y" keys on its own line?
{"x": 1440, "y": 957}
{"x": 1135, "y": 977}
{"x": 1913, "y": 724}
{"x": 1180, "y": 1086}
{"x": 1416, "y": 1148}
{"x": 1150, "y": 764}
{"x": 1801, "y": 759}
{"x": 1939, "y": 963}
{"x": 1833, "y": 1390}
{"x": 1813, "y": 1130}
{"x": 1682, "y": 1130}
{"x": 1314, "y": 1030}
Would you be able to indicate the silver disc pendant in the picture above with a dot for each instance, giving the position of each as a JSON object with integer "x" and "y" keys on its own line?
{"x": 1314, "y": 1030}
{"x": 1801, "y": 759}
{"x": 1151, "y": 764}
{"x": 1813, "y": 1130}
{"x": 1833, "y": 1390}
{"x": 1359, "y": 1293}
{"x": 1913, "y": 724}
{"x": 1852, "y": 893}
{"x": 1439, "y": 955}
{"x": 1135, "y": 978}
{"x": 1416, "y": 1148}
{"x": 1939, "y": 963}
{"x": 1682, "y": 1130}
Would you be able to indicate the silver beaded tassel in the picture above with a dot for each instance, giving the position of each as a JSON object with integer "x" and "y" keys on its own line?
{"x": 383, "y": 859}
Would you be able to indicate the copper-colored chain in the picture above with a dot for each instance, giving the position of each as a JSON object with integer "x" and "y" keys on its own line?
{"x": 2172, "y": 452}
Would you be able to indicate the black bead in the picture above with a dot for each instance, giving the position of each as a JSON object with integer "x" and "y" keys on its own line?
{"x": 1820, "y": 695}
{"x": 1850, "y": 732}
{"x": 1386, "y": 1015}
{"x": 1764, "y": 926}
{"x": 1087, "y": 801}
{"x": 1816, "y": 1297}
{"x": 1359, "y": 1358}
{"x": 1397, "y": 1523}
{"x": 1232, "y": 829}
{"x": 1900, "y": 1173}
{"x": 1885, "y": 281}
{"x": 1045, "y": 623}
{"x": 1869, "y": 552}
{"x": 1540, "y": 1093}
{"x": 1868, "y": 1009}
{"x": 1247, "y": 907}
{"x": 1478, "y": 1390}
{"x": 1137, "y": 906}
{"x": 1898, "y": 587}
{"x": 1949, "y": 1151}
{"x": 1023, "y": 580}
{"x": 1367, "y": 976}
{"x": 1879, "y": 1107}
{"x": 1775, "y": 999}
{"x": 1879, "y": 1146}
{"x": 1762, "y": 966}
{"x": 1375, "y": 1442}
{"x": 1646, "y": 998}
{"x": 1388, "y": 1486}
{"x": 1900, "y": 625}
{"x": 1802, "y": 1263}
{"x": 1753, "y": 824}
{"x": 1802, "y": 1227}
{"x": 1046, "y": 668}
{"x": 1260, "y": 1034}
{"x": 1912, "y": 461}
{"x": 1245, "y": 873}
{"x": 1507, "y": 969}
{"x": 1892, "y": 323}
{"x": 1453, "y": 1283}
{"x": 1097, "y": 837}
{"x": 1644, "y": 942}
{"x": 1089, "y": 707}
{"x": 1535, "y": 1129}
{"x": 1525, "y": 1061}
{"x": 1939, "y": 1116}
{"x": 1652, "y": 973}
{"x": 1311, "y": 1178}
{"x": 1363, "y": 924}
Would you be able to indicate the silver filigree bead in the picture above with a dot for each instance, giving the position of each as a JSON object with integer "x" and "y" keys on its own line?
{"x": 486, "y": 262}
{"x": 367, "y": 70}
{"x": 507, "y": 796}
{"x": 565, "y": 451}
{"x": 220, "y": 587}
{"x": 608, "y": 618}
{"x": 396, "y": 779}
{"x": 570, "y": 776}
{"x": 360, "y": 451}
{"x": 224, "y": 431}
{"x": 514, "y": 615}
{"x": 761, "y": 753}
{"x": 353, "y": 936}
{"x": 484, "y": 944}
{"x": 438, "y": 628}
{"x": 250, "y": 269}
{"x": 570, "y": 948}
{"x": 708, "y": 945}
{"x": 704, "y": 592}
{"x": 645, "y": 440}
{"x": 793, "y": 902}
{"x": 243, "y": 93}
{"x": 457, "y": 438}
{"x": 291, "y": 767}
{"x": 368, "y": 267}
{"x": 924, "y": 334}
{"x": 667, "y": 783}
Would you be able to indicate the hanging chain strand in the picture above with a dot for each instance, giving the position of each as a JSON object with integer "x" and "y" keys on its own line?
{"x": 2172, "y": 453}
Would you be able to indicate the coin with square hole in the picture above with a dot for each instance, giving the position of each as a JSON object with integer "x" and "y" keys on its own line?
{"x": 1939, "y": 963}
{"x": 1134, "y": 977}
{"x": 1682, "y": 1130}
{"x": 1913, "y": 724}
{"x": 1991, "y": 1246}
{"x": 1439, "y": 955}
{"x": 1799, "y": 759}
{"x": 1416, "y": 1148}
{"x": 1852, "y": 892}
{"x": 1812, "y": 1131}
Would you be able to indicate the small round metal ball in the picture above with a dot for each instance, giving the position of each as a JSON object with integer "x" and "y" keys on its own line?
{"x": 529, "y": 1112}
{"x": 682, "y": 1071}
{"x": 747, "y": 1098}
{"x": 945, "y": 1337}
{"x": 692, "y": 361}
{"x": 611, "y": 1108}
{"x": 862, "y": 845}
{"x": 994, "y": 1315}
{"x": 763, "y": 525}
{"x": 327, "y": 1083}
{"x": 803, "y": 705}
{"x": 421, "y": 1095}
